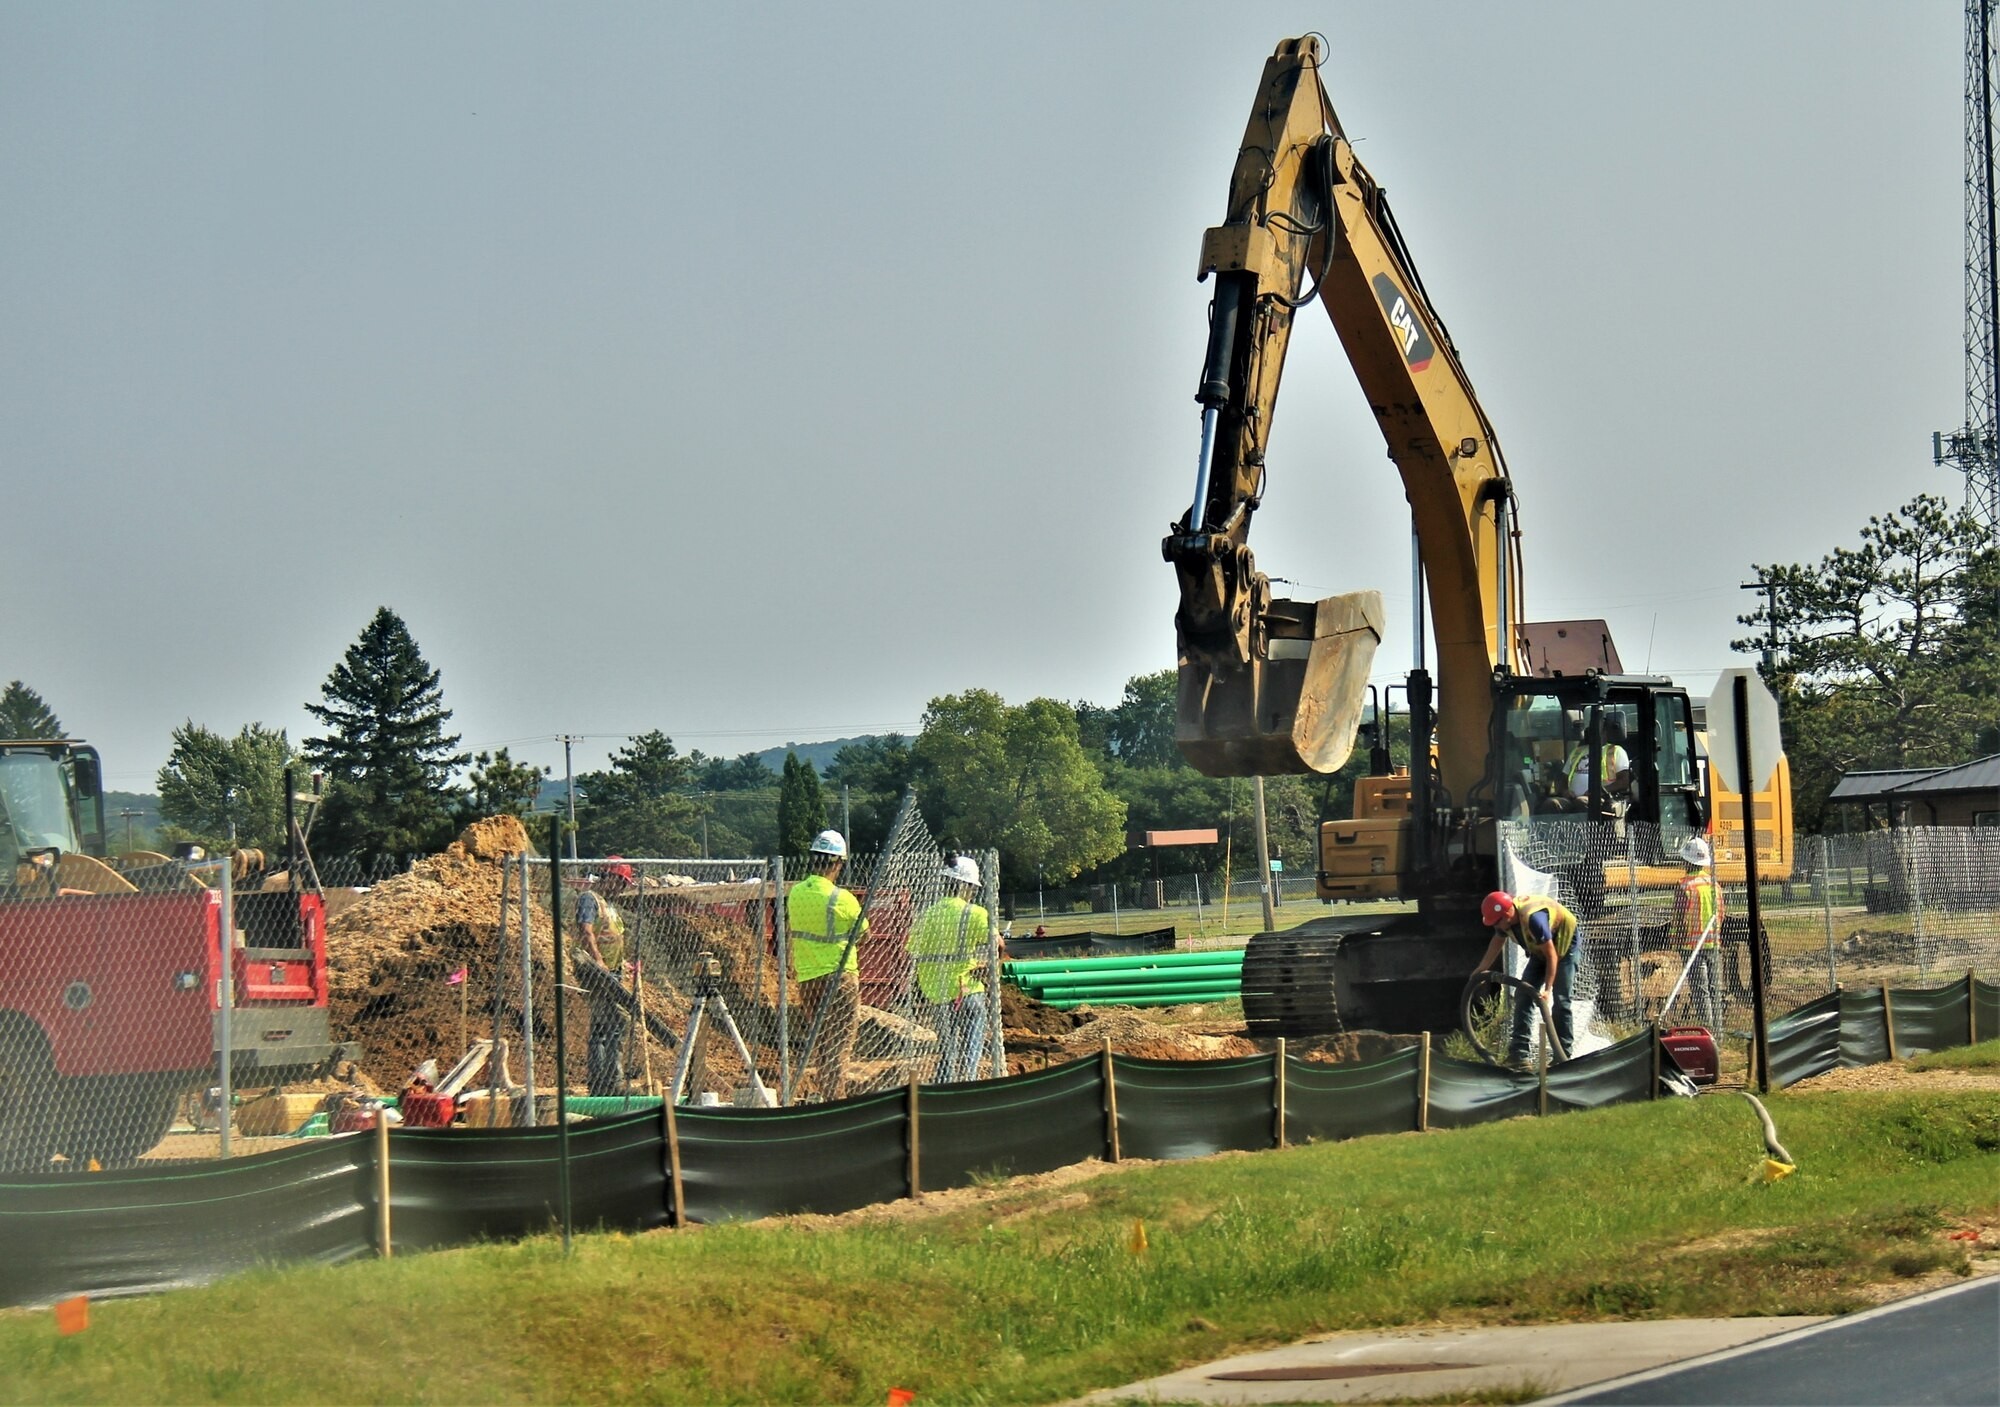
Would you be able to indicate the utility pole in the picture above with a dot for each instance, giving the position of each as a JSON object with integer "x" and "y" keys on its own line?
{"x": 126, "y": 815}
{"x": 1770, "y": 590}
{"x": 1264, "y": 857}
{"x": 1974, "y": 448}
{"x": 569, "y": 783}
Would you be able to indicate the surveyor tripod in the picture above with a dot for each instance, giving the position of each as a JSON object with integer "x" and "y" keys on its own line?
{"x": 708, "y": 999}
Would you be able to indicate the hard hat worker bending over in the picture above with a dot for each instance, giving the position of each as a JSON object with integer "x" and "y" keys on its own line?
{"x": 819, "y": 915}
{"x": 948, "y": 944}
{"x": 1547, "y": 932}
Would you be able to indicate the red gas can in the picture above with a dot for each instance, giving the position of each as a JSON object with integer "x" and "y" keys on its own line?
{"x": 424, "y": 1110}
{"x": 1693, "y": 1049}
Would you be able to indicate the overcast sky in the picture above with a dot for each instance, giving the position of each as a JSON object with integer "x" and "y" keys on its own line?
{"x": 758, "y": 372}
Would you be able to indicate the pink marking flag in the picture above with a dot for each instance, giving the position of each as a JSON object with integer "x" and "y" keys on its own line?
{"x": 455, "y": 978}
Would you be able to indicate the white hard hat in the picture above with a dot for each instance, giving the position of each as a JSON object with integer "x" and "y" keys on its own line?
{"x": 830, "y": 843}
{"x": 962, "y": 869}
{"x": 1695, "y": 852}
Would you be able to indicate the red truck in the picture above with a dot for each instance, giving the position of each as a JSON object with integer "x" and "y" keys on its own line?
{"x": 111, "y": 977}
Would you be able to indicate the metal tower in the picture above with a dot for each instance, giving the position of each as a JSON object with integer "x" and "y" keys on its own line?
{"x": 1974, "y": 449}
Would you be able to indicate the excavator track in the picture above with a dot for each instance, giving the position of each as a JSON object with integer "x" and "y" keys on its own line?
{"x": 1379, "y": 972}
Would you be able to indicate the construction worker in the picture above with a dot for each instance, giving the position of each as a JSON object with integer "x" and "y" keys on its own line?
{"x": 1547, "y": 933}
{"x": 602, "y": 929}
{"x": 820, "y": 917}
{"x": 1698, "y": 925}
{"x": 947, "y": 946}
{"x": 1617, "y": 769}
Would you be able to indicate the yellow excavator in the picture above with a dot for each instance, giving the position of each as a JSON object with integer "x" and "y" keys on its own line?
{"x": 1268, "y": 685}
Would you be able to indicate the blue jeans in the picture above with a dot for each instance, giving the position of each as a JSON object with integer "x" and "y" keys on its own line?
{"x": 961, "y": 1031}
{"x": 604, "y": 1071}
{"x": 1562, "y": 998}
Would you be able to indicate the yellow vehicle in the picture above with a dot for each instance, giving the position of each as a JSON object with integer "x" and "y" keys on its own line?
{"x": 1516, "y": 709}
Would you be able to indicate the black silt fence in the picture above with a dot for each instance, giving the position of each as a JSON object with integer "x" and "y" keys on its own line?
{"x": 1328, "y": 1102}
{"x": 448, "y": 1187}
{"x": 740, "y": 1164}
{"x": 139, "y": 1230}
{"x": 1005, "y": 1128}
{"x": 146, "y": 1229}
{"x": 1172, "y": 1109}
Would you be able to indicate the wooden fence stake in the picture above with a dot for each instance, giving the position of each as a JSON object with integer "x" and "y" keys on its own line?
{"x": 1654, "y": 1027}
{"x": 1278, "y": 1060}
{"x": 384, "y": 1247}
{"x": 674, "y": 1188}
{"x": 1971, "y": 1008}
{"x": 1889, "y": 1021}
{"x": 1424, "y": 1084}
{"x": 1110, "y": 1103}
{"x": 915, "y": 1170}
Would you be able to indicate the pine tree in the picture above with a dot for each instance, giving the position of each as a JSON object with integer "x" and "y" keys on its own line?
{"x": 500, "y": 786}
{"x": 387, "y": 757}
{"x": 801, "y": 807}
{"x": 640, "y": 804}
{"x": 23, "y": 714}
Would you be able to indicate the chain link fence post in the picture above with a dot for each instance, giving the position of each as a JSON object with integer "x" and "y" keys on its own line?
{"x": 1826, "y": 907}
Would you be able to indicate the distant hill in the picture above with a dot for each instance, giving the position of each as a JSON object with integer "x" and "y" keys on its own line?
{"x": 144, "y": 820}
{"x": 821, "y": 755}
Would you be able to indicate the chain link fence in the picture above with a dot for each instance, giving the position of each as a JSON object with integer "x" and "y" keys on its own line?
{"x": 1886, "y": 907}
{"x": 119, "y": 997}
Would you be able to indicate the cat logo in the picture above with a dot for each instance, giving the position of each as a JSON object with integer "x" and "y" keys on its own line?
{"x": 1417, "y": 347}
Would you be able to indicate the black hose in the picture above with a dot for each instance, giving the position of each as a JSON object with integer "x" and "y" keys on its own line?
{"x": 1493, "y": 977}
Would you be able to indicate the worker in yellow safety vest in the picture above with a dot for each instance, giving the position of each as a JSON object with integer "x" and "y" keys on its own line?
{"x": 1547, "y": 932}
{"x": 948, "y": 945}
{"x": 1615, "y": 764}
{"x": 1698, "y": 925}
{"x": 820, "y": 918}
{"x": 602, "y": 929}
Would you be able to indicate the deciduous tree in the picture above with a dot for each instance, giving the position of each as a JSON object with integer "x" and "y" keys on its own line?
{"x": 213, "y": 783}
{"x": 1017, "y": 779}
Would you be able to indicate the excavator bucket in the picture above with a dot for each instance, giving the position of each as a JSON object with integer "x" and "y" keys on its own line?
{"x": 1294, "y": 710}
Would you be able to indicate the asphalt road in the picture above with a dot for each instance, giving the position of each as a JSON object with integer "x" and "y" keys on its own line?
{"x": 1942, "y": 1347}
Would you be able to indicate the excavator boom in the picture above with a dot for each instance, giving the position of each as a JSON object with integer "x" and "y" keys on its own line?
{"x": 1269, "y": 685}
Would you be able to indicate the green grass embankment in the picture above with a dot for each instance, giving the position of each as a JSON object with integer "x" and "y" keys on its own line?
{"x": 1033, "y": 1294}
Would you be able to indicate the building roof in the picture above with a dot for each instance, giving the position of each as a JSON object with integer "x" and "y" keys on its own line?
{"x": 1981, "y": 774}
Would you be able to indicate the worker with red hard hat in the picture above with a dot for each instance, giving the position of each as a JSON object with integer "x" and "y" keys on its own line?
{"x": 1547, "y": 933}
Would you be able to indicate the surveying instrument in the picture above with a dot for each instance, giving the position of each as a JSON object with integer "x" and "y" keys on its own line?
{"x": 708, "y": 996}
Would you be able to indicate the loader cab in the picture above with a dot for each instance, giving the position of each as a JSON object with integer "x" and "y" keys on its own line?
{"x": 51, "y": 798}
{"x": 1610, "y": 747}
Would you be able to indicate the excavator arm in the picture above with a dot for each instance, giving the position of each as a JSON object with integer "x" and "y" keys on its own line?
{"x": 1269, "y": 685}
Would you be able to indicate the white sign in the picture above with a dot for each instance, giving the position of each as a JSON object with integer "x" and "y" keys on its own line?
{"x": 1765, "y": 740}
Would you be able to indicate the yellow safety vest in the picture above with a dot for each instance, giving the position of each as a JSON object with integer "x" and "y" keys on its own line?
{"x": 818, "y": 915}
{"x": 1577, "y": 758}
{"x": 610, "y": 926}
{"x": 1700, "y": 908}
{"x": 946, "y": 944}
{"x": 1562, "y": 923}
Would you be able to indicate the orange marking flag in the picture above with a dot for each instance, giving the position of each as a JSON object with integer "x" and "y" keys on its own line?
{"x": 73, "y": 1315}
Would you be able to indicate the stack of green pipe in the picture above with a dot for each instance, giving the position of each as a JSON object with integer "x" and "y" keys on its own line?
{"x": 1140, "y": 979}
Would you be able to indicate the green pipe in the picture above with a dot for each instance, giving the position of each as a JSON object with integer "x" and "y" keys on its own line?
{"x": 1035, "y": 966}
{"x": 1141, "y": 1001}
{"x": 1164, "y": 989}
{"x": 1206, "y": 973}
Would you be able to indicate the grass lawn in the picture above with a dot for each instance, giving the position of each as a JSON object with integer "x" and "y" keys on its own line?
{"x": 1984, "y": 1056}
{"x": 1034, "y": 1294}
